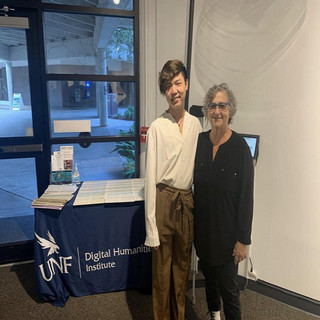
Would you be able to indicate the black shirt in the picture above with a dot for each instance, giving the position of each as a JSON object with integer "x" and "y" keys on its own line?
{"x": 223, "y": 194}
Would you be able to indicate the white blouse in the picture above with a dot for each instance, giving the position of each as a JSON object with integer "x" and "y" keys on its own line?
{"x": 169, "y": 160}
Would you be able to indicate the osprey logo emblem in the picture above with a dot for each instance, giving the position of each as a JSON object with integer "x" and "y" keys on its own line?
{"x": 48, "y": 244}
{"x": 52, "y": 264}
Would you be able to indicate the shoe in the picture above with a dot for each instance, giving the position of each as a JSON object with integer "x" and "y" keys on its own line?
{"x": 213, "y": 315}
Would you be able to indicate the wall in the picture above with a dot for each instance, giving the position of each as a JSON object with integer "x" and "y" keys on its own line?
{"x": 163, "y": 36}
{"x": 268, "y": 52}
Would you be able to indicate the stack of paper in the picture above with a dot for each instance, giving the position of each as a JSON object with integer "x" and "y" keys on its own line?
{"x": 91, "y": 192}
{"x": 110, "y": 191}
{"x": 55, "y": 197}
{"x": 126, "y": 190}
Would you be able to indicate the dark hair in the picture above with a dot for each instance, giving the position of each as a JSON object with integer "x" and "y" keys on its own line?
{"x": 171, "y": 69}
{"x": 212, "y": 93}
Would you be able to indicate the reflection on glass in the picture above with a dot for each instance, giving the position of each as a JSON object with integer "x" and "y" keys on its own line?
{"x": 3, "y": 82}
{"x": 104, "y": 161}
{"x": 18, "y": 188}
{"x": 15, "y": 100}
{"x": 108, "y": 4}
{"x": 88, "y": 44}
{"x": 110, "y": 106}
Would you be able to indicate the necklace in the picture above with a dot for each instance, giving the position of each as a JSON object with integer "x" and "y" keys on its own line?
{"x": 180, "y": 122}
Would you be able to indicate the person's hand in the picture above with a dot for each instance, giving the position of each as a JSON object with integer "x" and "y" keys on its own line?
{"x": 155, "y": 248}
{"x": 239, "y": 252}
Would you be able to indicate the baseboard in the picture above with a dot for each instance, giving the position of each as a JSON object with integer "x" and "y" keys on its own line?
{"x": 16, "y": 252}
{"x": 282, "y": 295}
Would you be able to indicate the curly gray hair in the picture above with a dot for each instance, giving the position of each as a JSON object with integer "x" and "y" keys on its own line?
{"x": 212, "y": 93}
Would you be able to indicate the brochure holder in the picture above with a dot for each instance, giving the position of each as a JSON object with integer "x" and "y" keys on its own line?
{"x": 62, "y": 165}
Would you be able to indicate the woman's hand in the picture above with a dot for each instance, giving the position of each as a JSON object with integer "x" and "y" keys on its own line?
{"x": 239, "y": 252}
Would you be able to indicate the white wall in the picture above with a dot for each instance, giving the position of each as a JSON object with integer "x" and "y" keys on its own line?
{"x": 163, "y": 36}
{"x": 268, "y": 52}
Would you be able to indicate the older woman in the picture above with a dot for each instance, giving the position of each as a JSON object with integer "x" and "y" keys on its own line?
{"x": 223, "y": 194}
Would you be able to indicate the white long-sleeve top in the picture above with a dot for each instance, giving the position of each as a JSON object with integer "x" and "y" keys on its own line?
{"x": 169, "y": 160}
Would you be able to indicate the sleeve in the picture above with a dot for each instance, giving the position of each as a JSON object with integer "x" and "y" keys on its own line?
{"x": 152, "y": 236}
{"x": 197, "y": 124}
{"x": 197, "y": 155}
{"x": 245, "y": 206}
{"x": 200, "y": 129}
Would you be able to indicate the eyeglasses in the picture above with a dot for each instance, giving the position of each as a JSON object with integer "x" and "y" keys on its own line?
{"x": 221, "y": 105}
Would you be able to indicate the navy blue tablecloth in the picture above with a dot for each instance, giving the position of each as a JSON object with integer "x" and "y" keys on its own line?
{"x": 92, "y": 249}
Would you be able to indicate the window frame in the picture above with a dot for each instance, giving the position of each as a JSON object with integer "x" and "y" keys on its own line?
{"x": 134, "y": 14}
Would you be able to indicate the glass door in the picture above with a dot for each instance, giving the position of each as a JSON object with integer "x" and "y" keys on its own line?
{"x": 22, "y": 146}
{"x": 60, "y": 64}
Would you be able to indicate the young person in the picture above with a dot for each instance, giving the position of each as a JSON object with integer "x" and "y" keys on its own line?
{"x": 171, "y": 146}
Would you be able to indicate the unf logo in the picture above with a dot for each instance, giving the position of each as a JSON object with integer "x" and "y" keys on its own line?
{"x": 63, "y": 263}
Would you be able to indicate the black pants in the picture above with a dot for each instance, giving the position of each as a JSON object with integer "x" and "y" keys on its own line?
{"x": 221, "y": 282}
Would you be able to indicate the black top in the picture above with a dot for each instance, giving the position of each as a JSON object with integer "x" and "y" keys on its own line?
{"x": 223, "y": 194}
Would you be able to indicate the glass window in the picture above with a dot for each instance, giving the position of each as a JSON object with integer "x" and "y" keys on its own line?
{"x": 3, "y": 83}
{"x": 88, "y": 44}
{"x": 109, "y": 4}
{"x": 82, "y": 52}
{"x": 104, "y": 161}
{"x": 15, "y": 99}
{"x": 107, "y": 107}
{"x": 18, "y": 188}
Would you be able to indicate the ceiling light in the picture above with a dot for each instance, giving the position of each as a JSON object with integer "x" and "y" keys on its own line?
{"x": 116, "y": 2}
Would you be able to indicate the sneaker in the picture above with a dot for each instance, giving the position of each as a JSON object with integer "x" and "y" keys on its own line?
{"x": 213, "y": 315}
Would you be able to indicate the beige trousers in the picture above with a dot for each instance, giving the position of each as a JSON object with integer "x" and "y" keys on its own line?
{"x": 171, "y": 261}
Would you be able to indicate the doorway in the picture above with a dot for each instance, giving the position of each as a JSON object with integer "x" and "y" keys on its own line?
{"x": 22, "y": 146}
{"x": 50, "y": 76}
